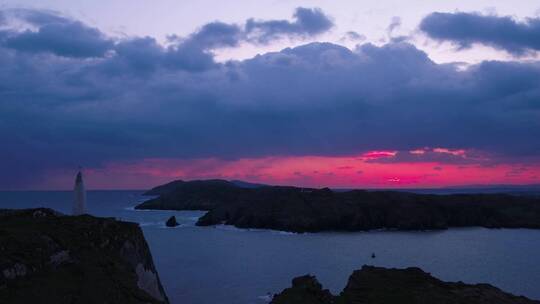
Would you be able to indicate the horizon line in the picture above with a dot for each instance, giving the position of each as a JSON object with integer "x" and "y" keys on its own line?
{"x": 450, "y": 187}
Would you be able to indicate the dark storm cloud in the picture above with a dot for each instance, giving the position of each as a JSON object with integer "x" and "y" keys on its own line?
{"x": 144, "y": 55}
{"x": 193, "y": 53}
{"x": 140, "y": 54}
{"x": 62, "y": 36}
{"x": 308, "y": 22}
{"x": 145, "y": 100}
{"x": 465, "y": 29}
{"x": 56, "y": 35}
{"x": 216, "y": 34}
{"x": 37, "y": 17}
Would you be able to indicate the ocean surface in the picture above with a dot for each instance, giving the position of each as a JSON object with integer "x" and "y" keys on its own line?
{"x": 209, "y": 265}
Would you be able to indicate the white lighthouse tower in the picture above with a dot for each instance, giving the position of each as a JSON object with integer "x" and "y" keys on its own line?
{"x": 79, "y": 202}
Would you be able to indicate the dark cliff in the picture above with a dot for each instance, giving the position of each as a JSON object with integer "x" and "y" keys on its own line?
{"x": 376, "y": 285}
{"x": 46, "y": 257}
{"x": 299, "y": 210}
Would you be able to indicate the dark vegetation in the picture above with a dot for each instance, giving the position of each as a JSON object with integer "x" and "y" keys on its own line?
{"x": 46, "y": 257}
{"x": 311, "y": 210}
{"x": 376, "y": 285}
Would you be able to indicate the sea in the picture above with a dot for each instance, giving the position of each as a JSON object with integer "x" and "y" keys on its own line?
{"x": 223, "y": 264}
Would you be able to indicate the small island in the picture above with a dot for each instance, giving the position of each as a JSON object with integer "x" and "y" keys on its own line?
{"x": 312, "y": 210}
{"x": 377, "y": 285}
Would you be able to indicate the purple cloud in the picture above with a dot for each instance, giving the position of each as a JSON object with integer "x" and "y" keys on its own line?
{"x": 465, "y": 29}
{"x": 145, "y": 100}
{"x": 308, "y": 22}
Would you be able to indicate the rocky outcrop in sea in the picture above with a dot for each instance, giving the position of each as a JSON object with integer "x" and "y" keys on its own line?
{"x": 171, "y": 222}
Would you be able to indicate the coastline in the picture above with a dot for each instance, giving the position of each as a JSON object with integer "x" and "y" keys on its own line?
{"x": 293, "y": 209}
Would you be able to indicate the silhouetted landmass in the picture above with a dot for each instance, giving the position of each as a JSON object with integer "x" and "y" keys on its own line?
{"x": 193, "y": 195}
{"x": 243, "y": 184}
{"x": 376, "y": 285}
{"x": 311, "y": 210}
{"x": 46, "y": 257}
{"x": 163, "y": 189}
{"x": 520, "y": 190}
{"x": 172, "y": 186}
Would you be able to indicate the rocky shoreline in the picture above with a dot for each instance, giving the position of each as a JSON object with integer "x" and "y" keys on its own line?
{"x": 377, "y": 285}
{"x": 46, "y": 257}
{"x": 313, "y": 210}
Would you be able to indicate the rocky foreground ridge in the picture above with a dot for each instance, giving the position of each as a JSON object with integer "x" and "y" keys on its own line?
{"x": 311, "y": 210}
{"x": 375, "y": 285}
{"x": 46, "y": 257}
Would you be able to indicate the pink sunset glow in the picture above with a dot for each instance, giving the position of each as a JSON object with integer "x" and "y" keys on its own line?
{"x": 308, "y": 171}
{"x": 379, "y": 154}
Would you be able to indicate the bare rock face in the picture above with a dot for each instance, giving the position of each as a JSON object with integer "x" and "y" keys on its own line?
{"x": 46, "y": 257}
{"x": 376, "y": 285}
{"x": 305, "y": 289}
{"x": 148, "y": 281}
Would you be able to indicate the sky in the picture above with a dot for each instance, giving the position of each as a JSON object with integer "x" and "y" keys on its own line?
{"x": 392, "y": 94}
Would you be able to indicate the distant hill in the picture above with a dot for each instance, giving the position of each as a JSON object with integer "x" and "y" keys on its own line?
{"x": 171, "y": 186}
{"x": 162, "y": 189}
{"x": 308, "y": 209}
{"x": 243, "y": 184}
{"x": 529, "y": 190}
{"x": 192, "y": 195}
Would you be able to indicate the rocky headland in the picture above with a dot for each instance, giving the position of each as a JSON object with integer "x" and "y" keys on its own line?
{"x": 312, "y": 210}
{"x": 376, "y": 285}
{"x": 46, "y": 257}
{"x": 193, "y": 195}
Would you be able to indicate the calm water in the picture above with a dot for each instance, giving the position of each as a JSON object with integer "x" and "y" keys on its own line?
{"x": 205, "y": 265}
